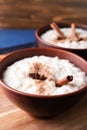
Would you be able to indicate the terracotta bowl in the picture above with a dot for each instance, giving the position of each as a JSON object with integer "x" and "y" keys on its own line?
{"x": 42, "y": 43}
{"x": 36, "y": 105}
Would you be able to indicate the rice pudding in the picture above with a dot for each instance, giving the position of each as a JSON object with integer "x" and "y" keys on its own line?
{"x": 51, "y": 37}
{"x": 38, "y": 75}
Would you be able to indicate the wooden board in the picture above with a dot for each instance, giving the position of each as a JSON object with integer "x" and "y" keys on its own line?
{"x": 35, "y": 13}
{"x": 13, "y": 118}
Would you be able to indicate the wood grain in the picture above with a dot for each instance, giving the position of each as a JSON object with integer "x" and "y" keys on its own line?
{"x": 13, "y": 118}
{"x": 35, "y": 13}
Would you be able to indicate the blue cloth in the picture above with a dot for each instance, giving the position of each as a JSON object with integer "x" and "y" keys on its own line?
{"x": 14, "y": 39}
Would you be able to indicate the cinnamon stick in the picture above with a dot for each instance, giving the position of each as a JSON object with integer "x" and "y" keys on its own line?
{"x": 57, "y": 29}
{"x": 73, "y": 30}
{"x": 37, "y": 76}
{"x": 74, "y": 36}
{"x": 64, "y": 81}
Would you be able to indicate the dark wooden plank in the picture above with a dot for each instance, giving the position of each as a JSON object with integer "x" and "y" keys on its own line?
{"x": 34, "y": 13}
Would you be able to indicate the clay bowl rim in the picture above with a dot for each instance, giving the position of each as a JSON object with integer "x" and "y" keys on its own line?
{"x": 67, "y": 24}
{"x": 9, "y": 88}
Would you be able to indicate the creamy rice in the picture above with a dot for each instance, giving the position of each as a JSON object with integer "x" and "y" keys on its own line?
{"x": 17, "y": 75}
{"x": 50, "y": 36}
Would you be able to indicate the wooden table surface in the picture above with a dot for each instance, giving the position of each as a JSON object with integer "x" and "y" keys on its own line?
{"x": 13, "y": 118}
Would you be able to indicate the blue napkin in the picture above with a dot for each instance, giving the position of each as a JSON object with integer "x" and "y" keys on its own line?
{"x": 14, "y": 39}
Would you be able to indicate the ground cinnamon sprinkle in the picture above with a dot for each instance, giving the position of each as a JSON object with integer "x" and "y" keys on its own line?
{"x": 39, "y": 66}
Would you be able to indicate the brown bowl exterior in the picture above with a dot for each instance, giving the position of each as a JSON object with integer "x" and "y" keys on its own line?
{"x": 42, "y": 43}
{"x": 36, "y": 105}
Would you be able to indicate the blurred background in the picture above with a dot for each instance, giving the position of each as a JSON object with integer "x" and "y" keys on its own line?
{"x": 35, "y": 13}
